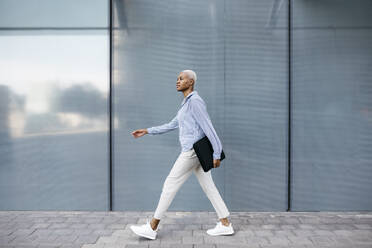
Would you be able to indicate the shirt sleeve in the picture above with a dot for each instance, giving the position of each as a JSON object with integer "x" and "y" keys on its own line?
{"x": 173, "y": 124}
{"x": 199, "y": 112}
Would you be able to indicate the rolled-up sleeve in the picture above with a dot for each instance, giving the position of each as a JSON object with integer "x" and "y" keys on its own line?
{"x": 199, "y": 112}
{"x": 173, "y": 124}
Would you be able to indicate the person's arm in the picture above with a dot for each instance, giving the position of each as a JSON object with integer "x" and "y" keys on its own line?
{"x": 200, "y": 114}
{"x": 173, "y": 124}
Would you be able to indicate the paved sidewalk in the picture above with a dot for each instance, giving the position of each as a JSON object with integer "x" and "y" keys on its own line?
{"x": 86, "y": 229}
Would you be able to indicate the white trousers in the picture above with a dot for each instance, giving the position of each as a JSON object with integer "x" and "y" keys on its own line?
{"x": 186, "y": 163}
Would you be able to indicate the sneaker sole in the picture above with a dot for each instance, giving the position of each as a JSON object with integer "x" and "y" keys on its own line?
{"x": 219, "y": 234}
{"x": 142, "y": 235}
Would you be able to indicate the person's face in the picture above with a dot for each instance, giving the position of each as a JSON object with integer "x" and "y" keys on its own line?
{"x": 183, "y": 82}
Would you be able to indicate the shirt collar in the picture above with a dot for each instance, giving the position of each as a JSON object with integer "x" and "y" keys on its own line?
{"x": 188, "y": 96}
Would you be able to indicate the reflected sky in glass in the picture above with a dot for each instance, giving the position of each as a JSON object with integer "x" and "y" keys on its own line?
{"x": 54, "y": 80}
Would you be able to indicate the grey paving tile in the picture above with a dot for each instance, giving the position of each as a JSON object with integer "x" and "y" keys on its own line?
{"x": 303, "y": 232}
{"x": 22, "y": 225}
{"x": 57, "y": 220}
{"x": 199, "y": 233}
{"x": 136, "y": 246}
{"x": 172, "y": 246}
{"x": 181, "y": 233}
{"x": 193, "y": 227}
{"x": 47, "y": 246}
{"x": 282, "y": 240}
{"x": 102, "y": 232}
{"x": 94, "y": 220}
{"x": 82, "y": 231}
{"x": 66, "y": 238}
{"x": 204, "y": 246}
{"x": 263, "y": 233}
{"x": 86, "y": 239}
{"x": 283, "y": 233}
{"x": 324, "y": 232}
{"x": 98, "y": 225}
{"x": 363, "y": 226}
{"x": 235, "y": 246}
{"x": 224, "y": 240}
{"x": 342, "y": 240}
{"x": 63, "y": 231}
{"x": 40, "y": 225}
{"x": 70, "y": 246}
{"x": 306, "y": 226}
{"x": 44, "y": 238}
{"x": 72, "y": 229}
{"x": 322, "y": 240}
{"x": 6, "y": 240}
{"x": 257, "y": 240}
{"x": 193, "y": 240}
{"x": 300, "y": 240}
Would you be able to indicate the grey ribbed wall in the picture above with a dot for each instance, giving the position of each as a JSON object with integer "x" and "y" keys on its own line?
{"x": 256, "y": 105}
{"x": 239, "y": 51}
{"x": 332, "y": 103}
{"x": 153, "y": 42}
{"x": 54, "y": 113}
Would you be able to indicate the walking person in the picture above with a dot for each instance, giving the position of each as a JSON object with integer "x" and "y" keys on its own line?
{"x": 194, "y": 123}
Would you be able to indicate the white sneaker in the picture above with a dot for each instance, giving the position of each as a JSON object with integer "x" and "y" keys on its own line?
{"x": 221, "y": 229}
{"x": 145, "y": 230}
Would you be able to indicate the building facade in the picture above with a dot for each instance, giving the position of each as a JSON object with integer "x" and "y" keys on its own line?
{"x": 287, "y": 83}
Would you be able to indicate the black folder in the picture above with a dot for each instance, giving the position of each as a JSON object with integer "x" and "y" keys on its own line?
{"x": 204, "y": 150}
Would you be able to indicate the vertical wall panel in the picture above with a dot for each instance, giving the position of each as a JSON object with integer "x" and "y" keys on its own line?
{"x": 54, "y": 88}
{"x": 153, "y": 42}
{"x": 332, "y": 100}
{"x": 256, "y": 93}
{"x": 239, "y": 51}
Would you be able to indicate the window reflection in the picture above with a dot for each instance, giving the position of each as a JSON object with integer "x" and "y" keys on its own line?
{"x": 54, "y": 83}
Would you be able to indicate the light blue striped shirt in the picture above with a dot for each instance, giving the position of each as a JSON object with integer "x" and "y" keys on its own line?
{"x": 193, "y": 122}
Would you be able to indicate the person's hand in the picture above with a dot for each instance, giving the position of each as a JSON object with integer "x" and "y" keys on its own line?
{"x": 216, "y": 163}
{"x": 139, "y": 132}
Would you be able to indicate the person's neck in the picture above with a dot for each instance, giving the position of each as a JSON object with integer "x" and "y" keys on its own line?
{"x": 187, "y": 92}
